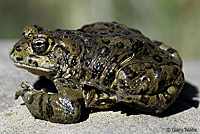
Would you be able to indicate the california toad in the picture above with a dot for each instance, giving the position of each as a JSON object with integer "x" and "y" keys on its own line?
{"x": 97, "y": 66}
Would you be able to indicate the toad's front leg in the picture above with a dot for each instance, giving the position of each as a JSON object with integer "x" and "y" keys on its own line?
{"x": 56, "y": 107}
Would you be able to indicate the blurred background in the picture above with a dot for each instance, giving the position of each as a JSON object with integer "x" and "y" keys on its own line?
{"x": 175, "y": 22}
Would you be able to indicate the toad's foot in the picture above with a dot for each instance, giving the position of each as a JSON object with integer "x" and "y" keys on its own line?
{"x": 25, "y": 87}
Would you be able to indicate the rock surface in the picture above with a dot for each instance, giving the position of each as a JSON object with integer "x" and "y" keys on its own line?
{"x": 182, "y": 117}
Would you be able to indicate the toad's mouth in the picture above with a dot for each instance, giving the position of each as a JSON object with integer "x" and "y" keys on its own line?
{"x": 36, "y": 70}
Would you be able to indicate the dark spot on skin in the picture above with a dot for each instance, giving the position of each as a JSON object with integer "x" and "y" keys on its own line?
{"x": 105, "y": 41}
{"x": 129, "y": 98}
{"x": 175, "y": 71}
{"x": 157, "y": 58}
{"x": 120, "y": 45}
{"x": 157, "y": 96}
{"x": 97, "y": 70}
{"x": 23, "y": 33}
{"x": 57, "y": 30}
{"x": 122, "y": 84}
{"x": 158, "y": 43}
{"x": 161, "y": 84}
{"x": 19, "y": 58}
{"x": 115, "y": 88}
{"x": 36, "y": 64}
{"x": 118, "y": 26}
{"x": 87, "y": 50}
{"x": 110, "y": 76}
{"x": 81, "y": 30}
{"x": 102, "y": 29}
{"x": 132, "y": 41}
{"x": 86, "y": 26}
{"x": 115, "y": 34}
{"x": 65, "y": 57}
{"x": 102, "y": 32}
{"x": 31, "y": 55}
{"x": 107, "y": 25}
{"x": 110, "y": 31}
{"x": 167, "y": 96}
{"x": 83, "y": 74}
{"x": 107, "y": 90}
{"x": 127, "y": 32}
{"x": 149, "y": 66}
{"x": 29, "y": 61}
{"x": 82, "y": 60}
{"x": 136, "y": 46}
{"x": 62, "y": 81}
{"x": 124, "y": 58}
{"x": 80, "y": 48}
{"x": 111, "y": 92}
{"x": 144, "y": 99}
{"x": 49, "y": 108}
{"x": 135, "y": 30}
{"x": 98, "y": 66}
{"x": 18, "y": 48}
{"x": 74, "y": 61}
{"x": 103, "y": 51}
{"x": 74, "y": 87}
{"x": 146, "y": 53}
{"x": 172, "y": 63}
{"x": 87, "y": 62}
{"x": 73, "y": 47}
{"x": 130, "y": 73}
{"x": 66, "y": 49}
{"x": 151, "y": 45}
{"x": 38, "y": 28}
{"x": 114, "y": 58}
{"x": 171, "y": 50}
{"x": 40, "y": 104}
{"x": 31, "y": 99}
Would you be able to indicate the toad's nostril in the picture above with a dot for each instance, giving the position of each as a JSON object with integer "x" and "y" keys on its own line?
{"x": 19, "y": 58}
{"x": 18, "y": 48}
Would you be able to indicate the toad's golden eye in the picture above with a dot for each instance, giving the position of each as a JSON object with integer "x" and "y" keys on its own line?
{"x": 40, "y": 46}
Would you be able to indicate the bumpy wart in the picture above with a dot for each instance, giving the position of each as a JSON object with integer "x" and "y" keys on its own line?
{"x": 98, "y": 66}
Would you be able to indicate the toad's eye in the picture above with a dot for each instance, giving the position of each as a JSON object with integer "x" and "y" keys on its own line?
{"x": 40, "y": 46}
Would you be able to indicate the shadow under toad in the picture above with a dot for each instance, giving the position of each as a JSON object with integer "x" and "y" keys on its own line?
{"x": 184, "y": 101}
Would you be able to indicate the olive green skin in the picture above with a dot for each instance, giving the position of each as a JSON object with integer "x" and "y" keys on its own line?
{"x": 97, "y": 66}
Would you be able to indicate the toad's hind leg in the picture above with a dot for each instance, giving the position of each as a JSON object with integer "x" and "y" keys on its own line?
{"x": 52, "y": 107}
{"x": 156, "y": 89}
{"x": 170, "y": 51}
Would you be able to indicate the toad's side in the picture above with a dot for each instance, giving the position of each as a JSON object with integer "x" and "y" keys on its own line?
{"x": 96, "y": 66}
